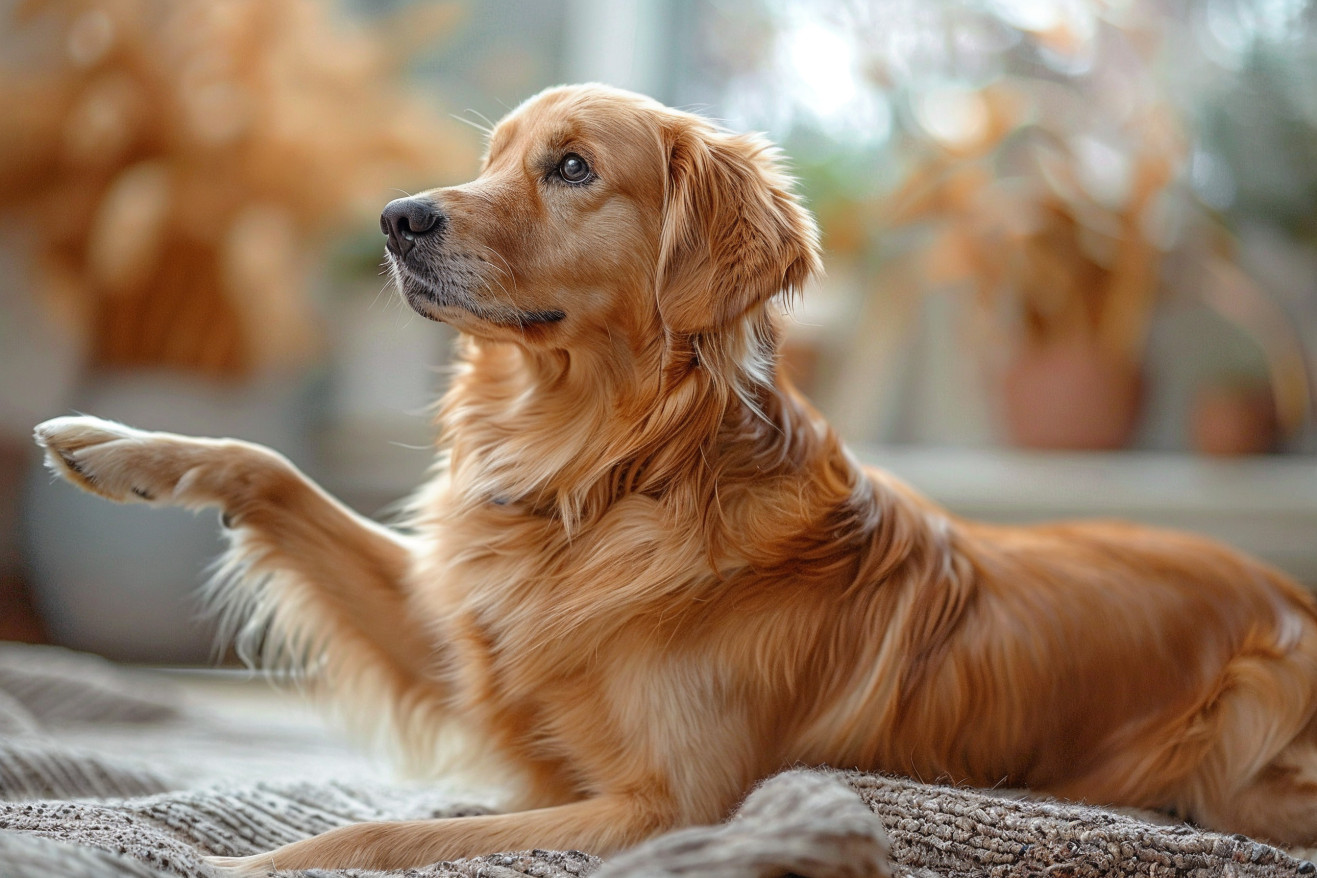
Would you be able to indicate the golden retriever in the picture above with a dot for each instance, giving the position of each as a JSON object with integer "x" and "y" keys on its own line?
{"x": 646, "y": 574}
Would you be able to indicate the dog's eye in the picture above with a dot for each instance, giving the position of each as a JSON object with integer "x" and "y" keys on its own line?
{"x": 573, "y": 169}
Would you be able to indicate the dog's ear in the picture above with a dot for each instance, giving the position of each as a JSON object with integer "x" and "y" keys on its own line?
{"x": 734, "y": 233}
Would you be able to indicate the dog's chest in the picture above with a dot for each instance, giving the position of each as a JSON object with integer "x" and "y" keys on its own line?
{"x": 522, "y": 598}
{"x": 528, "y": 614}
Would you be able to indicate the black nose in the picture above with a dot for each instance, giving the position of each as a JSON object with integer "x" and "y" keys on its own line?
{"x": 406, "y": 219}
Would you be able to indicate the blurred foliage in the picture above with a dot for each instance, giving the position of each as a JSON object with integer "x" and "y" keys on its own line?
{"x": 873, "y": 85}
{"x": 173, "y": 168}
{"x": 1071, "y": 162}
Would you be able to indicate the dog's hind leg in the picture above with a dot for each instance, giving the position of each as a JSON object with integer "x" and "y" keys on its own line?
{"x": 1279, "y": 804}
{"x": 1260, "y": 777}
{"x": 306, "y": 580}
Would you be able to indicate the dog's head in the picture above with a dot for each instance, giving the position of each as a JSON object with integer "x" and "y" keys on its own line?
{"x": 601, "y": 213}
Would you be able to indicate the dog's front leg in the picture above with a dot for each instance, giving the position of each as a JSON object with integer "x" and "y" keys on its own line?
{"x": 600, "y": 825}
{"x": 323, "y": 571}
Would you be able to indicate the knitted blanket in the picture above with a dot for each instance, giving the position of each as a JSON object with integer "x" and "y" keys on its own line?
{"x": 105, "y": 772}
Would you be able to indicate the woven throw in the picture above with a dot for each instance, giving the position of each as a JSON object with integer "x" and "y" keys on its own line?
{"x": 71, "y": 808}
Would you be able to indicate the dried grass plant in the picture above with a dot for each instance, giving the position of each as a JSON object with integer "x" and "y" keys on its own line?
{"x": 173, "y": 166}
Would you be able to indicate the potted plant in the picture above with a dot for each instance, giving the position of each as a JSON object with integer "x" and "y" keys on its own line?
{"x": 171, "y": 173}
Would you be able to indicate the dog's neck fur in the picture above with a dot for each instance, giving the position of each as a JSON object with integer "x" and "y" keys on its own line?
{"x": 693, "y": 423}
{"x": 570, "y": 434}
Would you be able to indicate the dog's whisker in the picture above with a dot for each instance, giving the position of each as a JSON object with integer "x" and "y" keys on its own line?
{"x": 486, "y": 129}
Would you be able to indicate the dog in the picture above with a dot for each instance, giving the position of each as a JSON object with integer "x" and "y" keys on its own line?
{"x": 646, "y": 574}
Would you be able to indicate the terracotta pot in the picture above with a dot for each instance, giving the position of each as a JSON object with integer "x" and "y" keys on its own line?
{"x": 1234, "y": 419}
{"x": 1069, "y": 393}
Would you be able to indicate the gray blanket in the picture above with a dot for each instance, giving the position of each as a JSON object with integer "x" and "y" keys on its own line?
{"x": 105, "y": 772}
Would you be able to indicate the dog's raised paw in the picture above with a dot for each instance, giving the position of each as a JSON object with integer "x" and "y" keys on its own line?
{"x": 96, "y": 455}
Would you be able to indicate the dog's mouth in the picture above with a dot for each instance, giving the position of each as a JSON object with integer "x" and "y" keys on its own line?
{"x": 434, "y": 294}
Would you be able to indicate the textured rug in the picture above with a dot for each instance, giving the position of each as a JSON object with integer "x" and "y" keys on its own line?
{"x": 106, "y": 772}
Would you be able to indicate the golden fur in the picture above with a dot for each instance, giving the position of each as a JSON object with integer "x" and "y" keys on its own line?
{"x": 646, "y": 574}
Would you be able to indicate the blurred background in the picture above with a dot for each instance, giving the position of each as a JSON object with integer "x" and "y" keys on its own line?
{"x": 1071, "y": 249}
